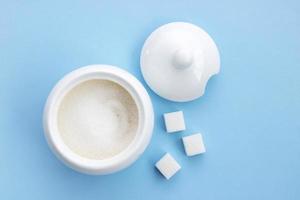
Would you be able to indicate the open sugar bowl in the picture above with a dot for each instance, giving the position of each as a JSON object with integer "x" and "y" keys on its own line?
{"x": 98, "y": 119}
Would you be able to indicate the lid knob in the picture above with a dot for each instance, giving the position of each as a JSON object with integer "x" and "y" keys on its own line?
{"x": 182, "y": 58}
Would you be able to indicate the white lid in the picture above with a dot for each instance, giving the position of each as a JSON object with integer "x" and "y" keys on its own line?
{"x": 177, "y": 60}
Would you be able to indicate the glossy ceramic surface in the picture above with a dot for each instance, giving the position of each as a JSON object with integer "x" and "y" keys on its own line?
{"x": 178, "y": 59}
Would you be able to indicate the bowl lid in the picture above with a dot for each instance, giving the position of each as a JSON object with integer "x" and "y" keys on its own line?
{"x": 177, "y": 60}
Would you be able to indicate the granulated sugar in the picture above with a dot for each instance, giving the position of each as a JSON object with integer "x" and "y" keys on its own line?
{"x": 97, "y": 119}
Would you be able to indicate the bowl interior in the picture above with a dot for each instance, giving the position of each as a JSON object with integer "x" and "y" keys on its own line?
{"x": 97, "y": 119}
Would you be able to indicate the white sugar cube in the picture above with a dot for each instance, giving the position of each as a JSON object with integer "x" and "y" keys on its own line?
{"x": 167, "y": 166}
{"x": 174, "y": 121}
{"x": 193, "y": 144}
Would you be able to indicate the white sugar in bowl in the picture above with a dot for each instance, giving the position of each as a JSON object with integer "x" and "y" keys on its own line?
{"x": 98, "y": 119}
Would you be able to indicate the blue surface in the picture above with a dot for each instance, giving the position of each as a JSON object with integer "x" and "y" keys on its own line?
{"x": 249, "y": 115}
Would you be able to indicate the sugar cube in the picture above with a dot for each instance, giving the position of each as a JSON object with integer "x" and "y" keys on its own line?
{"x": 193, "y": 144}
{"x": 174, "y": 121}
{"x": 167, "y": 166}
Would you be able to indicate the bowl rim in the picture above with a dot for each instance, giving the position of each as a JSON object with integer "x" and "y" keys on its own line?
{"x": 136, "y": 146}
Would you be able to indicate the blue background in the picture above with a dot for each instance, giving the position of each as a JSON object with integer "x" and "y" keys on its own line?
{"x": 249, "y": 116}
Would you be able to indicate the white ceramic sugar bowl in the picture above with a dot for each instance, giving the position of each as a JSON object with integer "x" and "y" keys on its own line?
{"x": 137, "y": 145}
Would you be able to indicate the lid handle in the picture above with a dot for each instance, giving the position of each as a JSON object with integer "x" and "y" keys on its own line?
{"x": 182, "y": 58}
